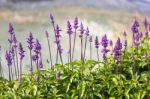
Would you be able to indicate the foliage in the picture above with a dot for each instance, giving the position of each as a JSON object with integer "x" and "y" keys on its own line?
{"x": 98, "y": 80}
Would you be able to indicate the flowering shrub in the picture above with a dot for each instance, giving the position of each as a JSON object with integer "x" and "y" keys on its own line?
{"x": 124, "y": 72}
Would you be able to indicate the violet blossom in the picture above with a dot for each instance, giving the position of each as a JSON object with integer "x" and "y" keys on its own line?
{"x": 104, "y": 43}
{"x": 97, "y": 46}
{"x": 117, "y": 49}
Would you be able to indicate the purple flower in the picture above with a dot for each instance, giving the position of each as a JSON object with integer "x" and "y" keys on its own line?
{"x": 90, "y": 39}
{"x": 52, "y": 19}
{"x": 35, "y": 57}
{"x": 40, "y": 65}
{"x": 134, "y": 27}
{"x": 104, "y": 41}
{"x": 105, "y": 51}
{"x": 59, "y": 48}
{"x": 30, "y": 41}
{"x": 137, "y": 39}
{"x": 10, "y": 40}
{"x": 96, "y": 42}
{"x": 21, "y": 51}
{"x": 75, "y": 23}
{"x": 58, "y": 74}
{"x": 37, "y": 47}
{"x": 12, "y": 52}
{"x": 8, "y": 57}
{"x": 57, "y": 30}
{"x": 69, "y": 28}
{"x": 87, "y": 31}
{"x": 11, "y": 29}
{"x": 125, "y": 43}
{"x": 146, "y": 23}
{"x": 81, "y": 30}
{"x": 46, "y": 33}
{"x": 141, "y": 35}
{"x": 118, "y": 45}
{"x": 117, "y": 49}
{"x": 14, "y": 39}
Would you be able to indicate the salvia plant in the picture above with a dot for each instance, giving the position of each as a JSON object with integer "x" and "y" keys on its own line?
{"x": 122, "y": 73}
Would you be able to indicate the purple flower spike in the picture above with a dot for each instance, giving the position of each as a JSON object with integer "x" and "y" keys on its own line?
{"x": 60, "y": 49}
{"x": 30, "y": 41}
{"x": 21, "y": 51}
{"x": 146, "y": 23}
{"x": 8, "y": 57}
{"x": 75, "y": 23}
{"x": 117, "y": 53}
{"x": 87, "y": 31}
{"x": 58, "y": 74}
{"x": 14, "y": 39}
{"x": 11, "y": 29}
{"x": 10, "y": 40}
{"x": 69, "y": 28}
{"x": 40, "y": 65}
{"x": 137, "y": 39}
{"x": 81, "y": 30}
{"x": 37, "y": 46}
{"x": 118, "y": 45}
{"x": 134, "y": 27}
{"x": 96, "y": 42}
{"x": 34, "y": 58}
{"x": 104, "y": 41}
{"x": 57, "y": 32}
{"x": 141, "y": 35}
{"x": 46, "y": 33}
{"x": 90, "y": 39}
{"x": 52, "y": 19}
{"x": 125, "y": 43}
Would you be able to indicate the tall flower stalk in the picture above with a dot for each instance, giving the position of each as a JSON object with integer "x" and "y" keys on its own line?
{"x": 81, "y": 38}
{"x": 21, "y": 53}
{"x": 8, "y": 57}
{"x": 135, "y": 41}
{"x": 86, "y": 38}
{"x": 97, "y": 47}
{"x": 75, "y": 30}
{"x": 37, "y": 50}
{"x": 90, "y": 40}
{"x": 117, "y": 54}
{"x": 14, "y": 63}
{"x": 104, "y": 43}
{"x": 57, "y": 41}
{"x": 49, "y": 48}
{"x": 69, "y": 32}
{"x": 15, "y": 45}
{"x": 11, "y": 32}
{"x": 53, "y": 25}
{"x": 30, "y": 47}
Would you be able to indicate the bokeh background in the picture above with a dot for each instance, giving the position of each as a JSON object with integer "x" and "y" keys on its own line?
{"x": 111, "y": 17}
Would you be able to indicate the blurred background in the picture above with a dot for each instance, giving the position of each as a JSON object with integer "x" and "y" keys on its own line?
{"x": 111, "y": 17}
